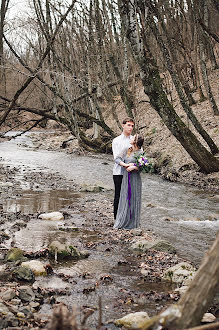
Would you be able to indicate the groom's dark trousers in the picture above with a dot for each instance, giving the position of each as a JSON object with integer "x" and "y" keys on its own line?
{"x": 117, "y": 182}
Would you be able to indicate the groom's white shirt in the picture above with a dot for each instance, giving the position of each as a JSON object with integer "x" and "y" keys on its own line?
{"x": 120, "y": 147}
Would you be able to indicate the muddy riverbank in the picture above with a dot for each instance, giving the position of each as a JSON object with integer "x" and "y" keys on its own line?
{"x": 176, "y": 212}
{"x": 35, "y": 181}
{"x": 111, "y": 271}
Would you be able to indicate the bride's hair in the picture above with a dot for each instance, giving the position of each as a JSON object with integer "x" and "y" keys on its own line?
{"x": 138, "y": 142}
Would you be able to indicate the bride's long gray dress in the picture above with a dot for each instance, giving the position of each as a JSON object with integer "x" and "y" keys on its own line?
{"x": 128, "y": 216}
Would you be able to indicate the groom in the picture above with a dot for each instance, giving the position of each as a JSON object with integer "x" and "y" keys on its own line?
{"x": 120, "y": 147}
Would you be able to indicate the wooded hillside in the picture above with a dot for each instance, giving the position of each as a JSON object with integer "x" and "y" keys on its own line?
{"x": 86, "y": 65}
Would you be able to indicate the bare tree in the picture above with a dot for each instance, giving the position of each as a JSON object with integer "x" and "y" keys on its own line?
{"x": 4, "y": 8}
{"x": 164, "y": 45}
{"x": 152, "y": 83}
{"x": 89, "y": 71}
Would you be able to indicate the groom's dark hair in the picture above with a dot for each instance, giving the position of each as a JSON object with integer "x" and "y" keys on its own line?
{"x": 127, "y": 120}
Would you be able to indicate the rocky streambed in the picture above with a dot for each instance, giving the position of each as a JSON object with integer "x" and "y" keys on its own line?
{"x": 77, "y": 259}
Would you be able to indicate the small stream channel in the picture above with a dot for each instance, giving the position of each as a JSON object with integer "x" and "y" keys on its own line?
{"x": 185, "y": 216}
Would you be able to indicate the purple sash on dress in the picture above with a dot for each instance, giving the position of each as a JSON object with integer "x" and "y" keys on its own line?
{"x": 129, "y": 192}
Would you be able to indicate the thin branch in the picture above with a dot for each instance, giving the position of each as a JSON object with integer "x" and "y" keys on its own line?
{"x": 206, "y": 28}
{"x": 28, "y": 81}
{"x": 76, "y": 99}
{"x": 18, "y": 125}
{"x": 27, "y": 130}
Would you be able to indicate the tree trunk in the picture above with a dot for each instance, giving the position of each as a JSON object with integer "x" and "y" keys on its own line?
{"x": 188, "y": 312}
{"x": 202, "y": 290}
{"x": 197, "y": 74}
{"x": 30, "y": 79}
{"x": 179, "y": 89}
{"x": 4, "y": 7}
{"x": 205, "y": 76}
{"x": 125, "y": 93}
{"x": 202, "y": 9}
{"x": 153, "y": 88}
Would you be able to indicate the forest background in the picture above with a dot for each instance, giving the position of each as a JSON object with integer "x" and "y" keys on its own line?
{"x": 85, "y": 65}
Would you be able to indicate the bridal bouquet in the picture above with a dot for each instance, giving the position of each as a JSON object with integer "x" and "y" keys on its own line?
{"x": 143, "y": 163}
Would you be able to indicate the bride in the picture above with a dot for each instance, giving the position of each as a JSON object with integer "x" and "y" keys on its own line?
{"x": 129, "y": 209}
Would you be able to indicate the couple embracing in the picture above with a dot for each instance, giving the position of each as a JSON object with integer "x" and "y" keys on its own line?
{"x": 126, "y": 177}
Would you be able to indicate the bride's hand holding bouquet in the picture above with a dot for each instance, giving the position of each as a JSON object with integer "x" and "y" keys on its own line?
{"x": 143, "y": 163}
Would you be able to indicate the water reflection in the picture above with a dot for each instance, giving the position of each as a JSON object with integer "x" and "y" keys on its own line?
{"x": 39, "y": 234}
{"x": 40, "y": 201}
{"x": 178, "y": 202}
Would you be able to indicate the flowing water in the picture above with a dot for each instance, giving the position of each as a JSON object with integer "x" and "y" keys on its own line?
{"x": 187, "y": 217}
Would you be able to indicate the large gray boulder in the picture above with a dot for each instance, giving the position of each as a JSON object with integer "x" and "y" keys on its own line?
{"x": 36, "y": 266}
{"x": 8, "y": 294}
{"x": 91, "y": 188}
{"x": 56, "y": 216}
{"x": 163, "y": 246}
{"x": 26, "y": 294}
{"x": 143, "y": 245}
{"x": 62, "y": 250}
{"x": 181, "y": 273}
{"x": 133, "y": 320}
{"x": 15, "y": 254}
{"x": 23, "y": 274}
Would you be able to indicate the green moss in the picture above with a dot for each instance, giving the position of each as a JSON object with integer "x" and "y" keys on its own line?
{"x": 14, "y": 254}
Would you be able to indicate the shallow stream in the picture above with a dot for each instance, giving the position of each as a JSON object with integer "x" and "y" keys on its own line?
{"x": 185, "y": 216}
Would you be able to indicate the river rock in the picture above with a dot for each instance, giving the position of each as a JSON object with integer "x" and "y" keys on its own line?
{"x": 27, "y": 311}
{"x": 163, "y": 246}
{"x": 181, "y": 290}
{"x": 3, "y": 236}
{"x": 208, "y": 318}
{"x": 9, "y": 322}
{"x": 84, "y": 254}
{"x": 3, "y": 309}
{"x": 68, "y": 228}
{"x": 181, "y": 273}
{"x": 6, "y": 317}
{"x": 133, "y": 320}
{"x": 144, "y": 245}
{"x": 14, "y": 254}
{"x": 3, "y": 272}
{"x": 23, "y": 274}
{"x": 213, "y": 217}
{"x": 151, "y": 205}
{"x": 137, "y": 232}
{"x": 26, "y": 294}
{"x": 144, "y": 272}
{"x": 15, "y": 301}
{"x": 91, "y": 188}
{"x": 8, "y": 294}
{"x": 51, "y": 216}
{"x": 36, "y": 266}
{"x": 34, "y": 304}
{"x": 63, "y": 250}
